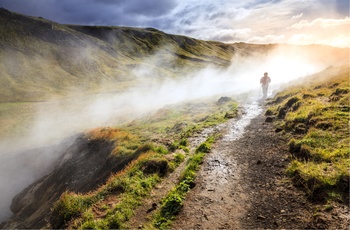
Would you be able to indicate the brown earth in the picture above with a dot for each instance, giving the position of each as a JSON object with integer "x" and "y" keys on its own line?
{"x": 243, "y": 185}
{"x": 84, "y": 166}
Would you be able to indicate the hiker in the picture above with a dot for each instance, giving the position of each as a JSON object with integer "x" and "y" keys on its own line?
{"x": 264, "y": 81}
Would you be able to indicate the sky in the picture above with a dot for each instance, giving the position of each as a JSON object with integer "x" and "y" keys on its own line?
{"x": 252, "y": 21}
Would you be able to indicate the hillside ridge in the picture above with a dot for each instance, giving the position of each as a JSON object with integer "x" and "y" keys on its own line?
{"x": 43, "y": 60}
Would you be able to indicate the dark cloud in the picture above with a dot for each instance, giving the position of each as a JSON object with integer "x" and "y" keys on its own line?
{"x": 151, "y": 8}
{"x": 343, "y": 7}
{"x": 340, "y": 6}
{"x": 92, "y": 12}
{"x": 209, "y": 19}
{"x": 224, "y": 37}
{"x": 259, "y": 3}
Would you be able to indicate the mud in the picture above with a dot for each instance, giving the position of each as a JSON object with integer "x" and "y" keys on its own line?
{"x": 242, "y": 184}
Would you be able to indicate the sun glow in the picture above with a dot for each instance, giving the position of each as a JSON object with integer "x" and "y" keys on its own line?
{"x": 285, "y": 68}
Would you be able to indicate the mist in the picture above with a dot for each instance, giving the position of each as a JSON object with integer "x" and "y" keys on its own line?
{"x": 62, "y": 119}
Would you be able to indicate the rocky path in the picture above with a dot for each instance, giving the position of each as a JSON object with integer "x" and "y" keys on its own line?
{"x": 242, "y": 185}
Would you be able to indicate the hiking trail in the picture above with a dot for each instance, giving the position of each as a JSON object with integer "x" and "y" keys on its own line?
{"x": 242, "y": 183}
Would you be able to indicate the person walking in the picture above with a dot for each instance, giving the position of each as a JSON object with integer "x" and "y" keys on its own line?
{"x": 265, "y": 81}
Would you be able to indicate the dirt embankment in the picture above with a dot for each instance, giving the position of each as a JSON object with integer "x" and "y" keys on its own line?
{"x": 243, "y": 185}
{"x": 82, "y": 168}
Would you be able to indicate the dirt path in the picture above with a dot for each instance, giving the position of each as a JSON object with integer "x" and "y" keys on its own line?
{"x": 242, "y": 185}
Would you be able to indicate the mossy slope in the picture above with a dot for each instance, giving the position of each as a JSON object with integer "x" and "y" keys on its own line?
{"x": 41, "y": 59}
{"x": 314, "y": 115}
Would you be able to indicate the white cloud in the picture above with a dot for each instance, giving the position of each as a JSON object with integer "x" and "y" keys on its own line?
{"x": 334, "y": 32}
{"x": 301, "y": 39}
{"x": 322, "y": 23}
{"x": 297, "y": 16}
{"x": 267, "y": 39}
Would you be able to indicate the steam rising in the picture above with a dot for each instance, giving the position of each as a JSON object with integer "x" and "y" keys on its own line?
{"x": 60, "y": 119}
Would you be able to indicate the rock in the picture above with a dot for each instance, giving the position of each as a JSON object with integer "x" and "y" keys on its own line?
{"x": 154, "y": 207}
{"x": 159, "y": 166}
{"x": 277, "y": 130}
{"x": 224, "y": 100}
{"x": 268, "y": 112}
{"x": 269, "y": 119}
{"x": 230, "y": 115}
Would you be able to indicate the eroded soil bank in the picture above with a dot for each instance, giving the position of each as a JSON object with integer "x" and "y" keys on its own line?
{"x": 242, "y": 184}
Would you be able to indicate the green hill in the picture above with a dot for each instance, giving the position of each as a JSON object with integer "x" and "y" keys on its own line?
{"x": 42, "y": 60}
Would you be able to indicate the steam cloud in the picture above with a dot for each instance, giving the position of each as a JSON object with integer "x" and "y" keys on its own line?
{"x": 64, "y": 118}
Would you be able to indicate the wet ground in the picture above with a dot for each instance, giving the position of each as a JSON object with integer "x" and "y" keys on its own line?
{"x": 242, "y": 184}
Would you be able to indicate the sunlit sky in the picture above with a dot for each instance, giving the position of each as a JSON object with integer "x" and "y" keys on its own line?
{"x": 252, "y": 21}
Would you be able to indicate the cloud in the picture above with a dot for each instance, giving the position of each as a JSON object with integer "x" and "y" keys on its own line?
{"x": 297, "y": 16}
{"x": 305, "y": 39}
{"x": 222, "y": 20}
{"x": 301, "y": 39}
{"x": 228, "y": 35}
{"x": 333, "y": 32}
{"x": 92, "y": 12}
{"x": 267, "y": 39}
{"x": 322, "y": 23}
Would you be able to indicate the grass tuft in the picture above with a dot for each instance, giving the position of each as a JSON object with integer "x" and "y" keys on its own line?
{"x": 317, "y": 125}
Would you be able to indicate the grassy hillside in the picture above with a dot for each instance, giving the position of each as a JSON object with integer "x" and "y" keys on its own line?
{"x": 314, "y": 115}
{"x": 41, "y": 59}
{"x": 166, "y": 133}
{"x": 150, "y": 149}
{"x": 178, "y": 51}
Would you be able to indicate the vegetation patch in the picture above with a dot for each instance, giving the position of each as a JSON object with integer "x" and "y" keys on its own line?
{"x": 173, "y": 202}
{"x": 317, "y": 125}
{"x": 159, "y": 148}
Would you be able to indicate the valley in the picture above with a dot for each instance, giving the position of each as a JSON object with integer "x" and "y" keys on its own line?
{"x": 120, "y": 127}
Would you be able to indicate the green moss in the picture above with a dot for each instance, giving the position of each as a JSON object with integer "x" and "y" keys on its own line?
{"x": 173, "y": 202}
{"x": 69, "y": 207}
{"x": 320, "y": 134}
{"x": 135, "y": 182}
